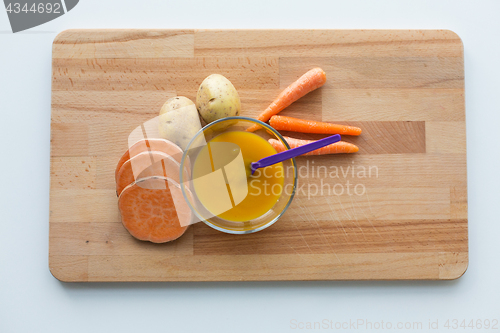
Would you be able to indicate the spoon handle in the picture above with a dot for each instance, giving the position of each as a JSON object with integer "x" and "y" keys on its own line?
{"x": 285, "y": 155}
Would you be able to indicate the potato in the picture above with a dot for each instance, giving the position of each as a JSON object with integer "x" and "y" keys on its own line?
{"x": 179, "y": 121}
{"x": 175, "y": 103}
{"x": 217, "y": 98}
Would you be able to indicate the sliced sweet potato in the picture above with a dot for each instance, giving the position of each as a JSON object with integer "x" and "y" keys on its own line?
{"x": 144, "y": 145}
{"x": 148, "y": 211}
{"x": 146, "y": 164}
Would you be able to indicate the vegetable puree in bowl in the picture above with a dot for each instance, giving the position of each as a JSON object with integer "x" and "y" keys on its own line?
{"x": 263, "y": 189}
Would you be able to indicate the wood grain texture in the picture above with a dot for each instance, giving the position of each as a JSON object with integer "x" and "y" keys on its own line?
{"x": 378, "y": 72}
{"x": 112, "y": 44}
{"x": 382, "y": 104}
{"x": 321, "y": 43}
{"x": 374, "y": 266}
{"x": 111, "y": 238}
{"x": 348, "y": 236}
{"x": 395, "y": 210}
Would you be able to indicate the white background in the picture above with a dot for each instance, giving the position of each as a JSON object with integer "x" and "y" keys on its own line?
{"x": 31, "y": 300}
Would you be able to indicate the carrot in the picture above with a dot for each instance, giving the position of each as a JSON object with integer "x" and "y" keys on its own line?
{"x": 310, "y": 126}
{"x": 145, "y": 164}
{"x": 308, "y": 82}
{"x": 148, "y": 211}
{"x": 334, "y": 148}
{"x": 143, "y": 145}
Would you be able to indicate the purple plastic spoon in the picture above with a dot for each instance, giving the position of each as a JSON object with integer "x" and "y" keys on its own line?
{"x": 285, "y": 155}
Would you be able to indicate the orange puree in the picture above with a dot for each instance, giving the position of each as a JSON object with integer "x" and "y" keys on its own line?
{"x": 264, "y": 187}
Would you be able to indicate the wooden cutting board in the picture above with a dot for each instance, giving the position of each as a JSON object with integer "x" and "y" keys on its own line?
{"x": 395, "y": 210}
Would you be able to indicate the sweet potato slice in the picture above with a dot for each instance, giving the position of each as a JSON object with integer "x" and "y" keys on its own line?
{"x": 148, "y": 211}
{"x": 144, "y": 145}
{"x": 147, "y": 164}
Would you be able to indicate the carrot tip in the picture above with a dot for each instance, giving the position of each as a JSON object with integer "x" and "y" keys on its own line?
{"x": 253, "y": 128}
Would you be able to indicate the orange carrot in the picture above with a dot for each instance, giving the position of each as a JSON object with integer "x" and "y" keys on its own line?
{"x": 308, "y": 82}
{"x": 310, "y": 126}
{"x": 334, "y": 148}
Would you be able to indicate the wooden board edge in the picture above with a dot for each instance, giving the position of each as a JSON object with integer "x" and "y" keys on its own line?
{"x": 453, "y": 265}
{"x": 74, "y": 268}
{"x": 71, "y": 268}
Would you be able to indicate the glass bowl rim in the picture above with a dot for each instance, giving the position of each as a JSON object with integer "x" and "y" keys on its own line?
{"x": 276, "y": 133}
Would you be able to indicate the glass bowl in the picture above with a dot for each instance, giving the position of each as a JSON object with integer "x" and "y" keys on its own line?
{"x": 195, "y": 148}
